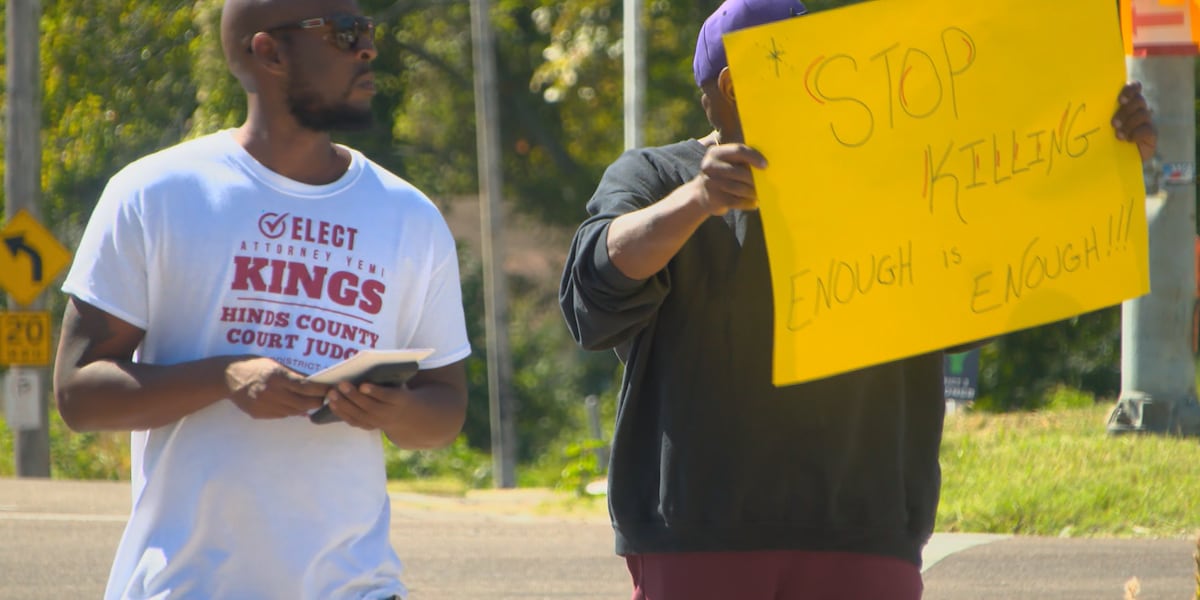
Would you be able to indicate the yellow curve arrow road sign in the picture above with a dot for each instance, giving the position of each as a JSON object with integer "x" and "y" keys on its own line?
{"x": 30, "y": 258}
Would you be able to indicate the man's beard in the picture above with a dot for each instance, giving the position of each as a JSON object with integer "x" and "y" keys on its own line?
{"x": 306, "y": 106}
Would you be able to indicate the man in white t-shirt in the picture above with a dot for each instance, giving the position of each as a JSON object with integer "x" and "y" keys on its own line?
{"x": 211, "y": 277}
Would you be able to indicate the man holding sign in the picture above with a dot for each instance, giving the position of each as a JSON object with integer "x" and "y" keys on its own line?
{"x": 721, "y": 484}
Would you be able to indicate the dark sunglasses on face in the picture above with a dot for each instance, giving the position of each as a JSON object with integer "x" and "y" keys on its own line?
{"x": 346, "y": 30}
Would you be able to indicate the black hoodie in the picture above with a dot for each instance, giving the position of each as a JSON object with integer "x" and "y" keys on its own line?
{"x": 707, "y": 454}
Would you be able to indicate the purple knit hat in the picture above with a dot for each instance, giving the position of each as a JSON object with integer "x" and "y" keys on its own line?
{"x": 731, "y": 16}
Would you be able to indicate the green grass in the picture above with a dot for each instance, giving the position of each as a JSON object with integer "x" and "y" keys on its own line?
{"x": 1058, "y": 472}
{"x": 74, "y": 455}
{"x": 450, "y": 487}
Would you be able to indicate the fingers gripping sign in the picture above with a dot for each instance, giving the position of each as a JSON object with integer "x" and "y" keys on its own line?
{"x": 1132, "y": 120}
{"x": 725, "y": 180}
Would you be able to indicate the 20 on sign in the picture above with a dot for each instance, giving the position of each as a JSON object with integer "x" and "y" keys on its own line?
{"x": 25, "y": 338}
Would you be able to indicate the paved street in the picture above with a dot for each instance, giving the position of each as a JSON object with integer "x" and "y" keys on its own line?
{"x": 1075, "y": 569}
{"x": 57, "y": 538}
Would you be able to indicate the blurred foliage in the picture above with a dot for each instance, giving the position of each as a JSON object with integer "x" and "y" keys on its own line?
{"x": 551, "y": 375}
{"x": 7, "y": 457}
{"x": 458, "y": 462}
{"x": 1084, "y": 352}
{"x": 582, "y": 466}
{"x": 74, "y": 455}
{"x": 116, "y": 84}
{"x": 220, "y": 101}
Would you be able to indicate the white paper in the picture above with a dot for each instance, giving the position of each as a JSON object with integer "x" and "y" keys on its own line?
{"x": 365, "y": 359}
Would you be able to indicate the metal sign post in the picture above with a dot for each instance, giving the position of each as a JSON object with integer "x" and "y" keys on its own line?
{"x": 1158, "y": 388}
{"x": 22, "y": 187}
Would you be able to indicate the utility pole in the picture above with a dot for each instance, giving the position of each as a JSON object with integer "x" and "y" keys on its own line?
{"x": 22, "y": 186}
{"x": 1158, "y": 386}
{"x": 487, "y": 140}
{"x": 634, "y": 50}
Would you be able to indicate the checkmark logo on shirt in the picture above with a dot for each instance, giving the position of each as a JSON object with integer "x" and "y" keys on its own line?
{"x": 272, "y": 225}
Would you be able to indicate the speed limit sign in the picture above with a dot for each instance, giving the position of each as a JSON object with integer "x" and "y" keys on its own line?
{"x": 25, "y": 338}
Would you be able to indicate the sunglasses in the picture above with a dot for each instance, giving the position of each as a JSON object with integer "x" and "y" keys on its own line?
{"x": 347, "y": 30}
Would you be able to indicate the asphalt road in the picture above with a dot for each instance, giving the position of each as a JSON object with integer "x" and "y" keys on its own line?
{"x": 57, "y": 538}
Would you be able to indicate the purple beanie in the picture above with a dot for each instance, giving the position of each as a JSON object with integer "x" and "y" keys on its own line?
{"x": 731, "y": 16}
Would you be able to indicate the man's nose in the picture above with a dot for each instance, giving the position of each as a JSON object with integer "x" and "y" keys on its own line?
{"x": 365, "y": 49}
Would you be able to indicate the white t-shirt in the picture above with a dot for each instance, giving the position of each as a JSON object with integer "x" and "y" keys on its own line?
{"x": 213, "y": 254}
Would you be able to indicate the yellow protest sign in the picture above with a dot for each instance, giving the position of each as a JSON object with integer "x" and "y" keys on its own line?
{"x": 940, "y": 172}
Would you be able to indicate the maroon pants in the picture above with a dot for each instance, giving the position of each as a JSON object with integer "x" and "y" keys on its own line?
{"x": 781, "y": 575}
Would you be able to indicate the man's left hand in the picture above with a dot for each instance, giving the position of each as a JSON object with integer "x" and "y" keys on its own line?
{"x": 368, "y": 406}
{"x": 1132, "y": 121}
{"x": 426, "y": 412}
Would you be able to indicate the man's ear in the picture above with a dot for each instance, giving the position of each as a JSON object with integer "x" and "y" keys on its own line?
{"x": 725, "y": 84}
{"x": 265, "y": 53}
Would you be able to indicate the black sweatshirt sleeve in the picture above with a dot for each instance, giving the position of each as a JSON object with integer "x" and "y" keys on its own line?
{"x": 604, "y": 308}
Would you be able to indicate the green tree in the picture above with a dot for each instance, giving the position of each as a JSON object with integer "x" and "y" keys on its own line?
{"x": 1084, "y": 352}
{"x": 116, "y": 85}
{"x": 220, "y": 101}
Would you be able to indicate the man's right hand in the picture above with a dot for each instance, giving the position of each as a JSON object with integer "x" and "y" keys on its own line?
{"x": 725, "y": 181}
{"x": 265, "y": 389}
{"x": 642, "y": 242}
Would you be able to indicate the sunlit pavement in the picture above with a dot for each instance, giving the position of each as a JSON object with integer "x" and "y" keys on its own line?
{"x": 57, "y": 539}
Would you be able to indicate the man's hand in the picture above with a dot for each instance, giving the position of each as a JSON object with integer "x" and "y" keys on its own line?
{"x": 369, "y": 406}
{"x": 725, "y": 180}
{"x": 265, "y": 389}
{"x": 1132, "y": 121}
{"x": 426, "y": 412}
